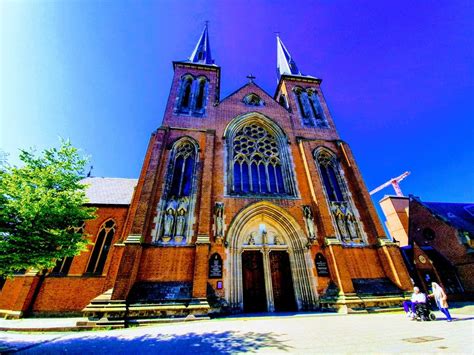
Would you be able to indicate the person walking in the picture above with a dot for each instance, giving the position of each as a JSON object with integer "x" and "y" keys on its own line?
{"x": 441, "y": 300}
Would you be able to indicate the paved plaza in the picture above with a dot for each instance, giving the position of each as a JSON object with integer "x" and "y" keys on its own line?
{"x": 288, "y": 333}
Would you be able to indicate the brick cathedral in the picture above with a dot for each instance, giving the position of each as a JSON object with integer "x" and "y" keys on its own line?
{"x": 248, "y": 203}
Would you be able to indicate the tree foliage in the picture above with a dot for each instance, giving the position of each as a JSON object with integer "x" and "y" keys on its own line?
{"x": 40, "y": 204}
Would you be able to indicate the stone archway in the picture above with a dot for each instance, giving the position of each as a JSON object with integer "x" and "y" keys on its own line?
{"x": 270, "y": 230}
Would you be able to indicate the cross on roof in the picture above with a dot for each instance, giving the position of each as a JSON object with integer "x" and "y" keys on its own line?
{"x": 250, "y": 77}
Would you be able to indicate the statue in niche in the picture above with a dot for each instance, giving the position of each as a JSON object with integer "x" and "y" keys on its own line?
{"x": 180, "y": 223}
{"x": 169, "y": 220}
{"x": 264, "y": 237}
{"x": 181, "y": 220}
{"x": 251, "y": 240}
{"x": 219, "y": 220}
{"x": 309, "y": 219}
{"x": 168, "y": 224}
{"x": 341, "y": 223}
{"x": 352, "y": 227}
{"x": 276, "y": 240}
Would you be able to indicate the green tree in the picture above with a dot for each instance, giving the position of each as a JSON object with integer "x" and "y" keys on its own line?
{"x": 40, "y": 204}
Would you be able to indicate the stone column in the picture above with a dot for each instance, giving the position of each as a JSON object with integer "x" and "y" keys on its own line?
{"x": 201, "y": 266}
{"x": 22, "y": 298}
{"x": 338, "y": 266}
{"x": 267, "y": 272}
{"x": 128, "y": 268}
{"x": 393, "y": 264}
{"x": 205, "y": 197}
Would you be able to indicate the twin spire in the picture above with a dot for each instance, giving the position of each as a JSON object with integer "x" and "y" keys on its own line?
{"x": 202, "y": 51}
{"x": 285, "y": 63}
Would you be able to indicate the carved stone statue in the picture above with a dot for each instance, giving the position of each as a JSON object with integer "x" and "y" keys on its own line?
{"x": 341, "y": 223}
{"x": 180, "y": 222}
{"x": 169, "y": 223}
{"x": 308, "y": 216}
{"x": 219, "y": 218}
{"x": 276, "y": 240}
{"x": 251, "y": 240}
{"x": 352, "y": 227}
{"x": 264, "y": 237}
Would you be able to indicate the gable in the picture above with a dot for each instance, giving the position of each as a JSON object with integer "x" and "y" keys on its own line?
{"x": 243, "y": 95}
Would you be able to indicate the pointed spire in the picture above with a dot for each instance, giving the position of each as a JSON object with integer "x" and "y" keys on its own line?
{"x": 202, "y": 51}
{"x": 285, "y": 63}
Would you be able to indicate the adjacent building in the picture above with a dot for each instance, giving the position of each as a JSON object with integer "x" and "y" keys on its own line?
{"x": 437, "y": 242}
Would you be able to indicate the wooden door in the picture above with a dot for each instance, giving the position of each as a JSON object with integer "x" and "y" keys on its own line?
{"x": 282, "y": 282}
{"x": 255, "y": 299}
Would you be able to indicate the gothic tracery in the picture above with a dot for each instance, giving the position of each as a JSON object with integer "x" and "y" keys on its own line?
{"x": 257, "y": 164}
{"x": 312, "y": 114}
{"x": 177, "y": 206}
{"x": 340, "y": 204}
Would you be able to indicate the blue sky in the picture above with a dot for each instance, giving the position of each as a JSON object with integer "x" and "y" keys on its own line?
{"x": 398, "y": 77}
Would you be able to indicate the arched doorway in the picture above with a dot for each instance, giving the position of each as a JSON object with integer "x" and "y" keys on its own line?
{"x": 268, "y": 264}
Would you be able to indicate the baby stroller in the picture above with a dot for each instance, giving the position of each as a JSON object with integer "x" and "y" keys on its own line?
{"x": 423, "y": 312}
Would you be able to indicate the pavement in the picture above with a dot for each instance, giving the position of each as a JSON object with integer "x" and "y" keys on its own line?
{"x": 300, "y": 333}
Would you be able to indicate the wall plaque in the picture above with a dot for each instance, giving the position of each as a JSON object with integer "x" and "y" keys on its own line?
{"x": 321, "y": 265}
{"x": 215, "y": 266}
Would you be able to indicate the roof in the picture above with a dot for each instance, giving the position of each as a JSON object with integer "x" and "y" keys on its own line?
{"x": 109, "y": 191}
{"x": 459, "y": 215}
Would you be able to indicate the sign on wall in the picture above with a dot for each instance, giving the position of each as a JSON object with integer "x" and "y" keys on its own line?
{"x": 321, "y": 265}
{"x": 215, "y": 266}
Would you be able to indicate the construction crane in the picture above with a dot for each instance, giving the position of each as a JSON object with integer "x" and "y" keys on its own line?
{"x": 394, "y": 182}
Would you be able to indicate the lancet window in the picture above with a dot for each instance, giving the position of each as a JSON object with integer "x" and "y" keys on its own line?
{"x": 259, "y": 163}
{"x": 63, "y": 265}
{"x": 175, "y": 210}
{"x": 101, "y": 248}
{"x": 192, "y": 95}
{"x": 335, "y": 187}
{"x": 309, "y": 106}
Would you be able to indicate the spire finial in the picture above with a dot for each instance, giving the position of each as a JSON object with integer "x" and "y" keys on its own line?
{"x": 202, "y": 51}
{"x": 285, "y": 63}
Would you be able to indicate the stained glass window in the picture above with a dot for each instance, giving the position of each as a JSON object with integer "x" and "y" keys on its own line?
{"x": 256, "y": 162}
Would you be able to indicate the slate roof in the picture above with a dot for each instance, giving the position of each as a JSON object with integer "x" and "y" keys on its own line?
{"x": 459, "y": 215}
{"x": 109, "y": 191}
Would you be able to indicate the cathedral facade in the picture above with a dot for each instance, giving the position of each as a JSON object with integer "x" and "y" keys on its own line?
{"x": 248, "y": 203}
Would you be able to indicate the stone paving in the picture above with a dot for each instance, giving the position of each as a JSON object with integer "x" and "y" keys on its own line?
{"x": 298, "y": 333}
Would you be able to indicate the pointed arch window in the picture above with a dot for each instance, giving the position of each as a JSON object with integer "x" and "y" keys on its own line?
{"x": 301, "y": 100}
{"x": 259, "y": 162}
{"x": 175, "y": 210}
{"x": 101, "y": 248}
{"x": 309, "y": 106}
{"x": 192, "y": 95}
{"x": 201, "y": 93}
{"x": 337, "y": 194}
{"x": 186, "y": 95}
{"x": 63, "y": 265}
{"x": 183, "y": 169}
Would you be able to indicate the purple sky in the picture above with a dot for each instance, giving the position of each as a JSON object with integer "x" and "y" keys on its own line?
{"x": 398, "y": 77}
